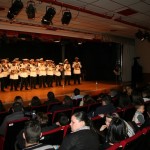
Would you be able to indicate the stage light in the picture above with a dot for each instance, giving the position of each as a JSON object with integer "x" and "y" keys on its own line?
{"x": 30, "y": 10}
{"x": 50, "y": 13}
{"x": 14, "y": 10}
{"x": 66, "y": 17}
{"x": 140, "y": 35}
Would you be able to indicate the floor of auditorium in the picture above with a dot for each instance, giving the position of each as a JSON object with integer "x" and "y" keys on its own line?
{"x": 86, "y": 87}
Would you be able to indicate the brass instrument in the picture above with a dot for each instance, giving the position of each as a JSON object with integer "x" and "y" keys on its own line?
{"x": 77, "y": 66}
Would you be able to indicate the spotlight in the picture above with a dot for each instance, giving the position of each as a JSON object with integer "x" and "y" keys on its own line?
{"x": 50, "y": 13}
{"x": 140, "y": 35}
{"x": 30, "y": 10}
{"x": 16, "y": 7}
{"x": 66, "y": 17}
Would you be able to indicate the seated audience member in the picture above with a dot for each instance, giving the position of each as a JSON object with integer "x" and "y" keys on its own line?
{"x": 16, "y": 115}
{"x": 136, "y": 97}
{"x": 124, "y": 100}
{"x": 2, "y": 108}
{"x": 51, "y": 98}
{"x": 67, "y": 103}
{"x": 138, "y": 117}
{"x": 17, "y": 99}
{"x": 77, "y": 94}
{"x": 107, "y": 106}
{"x": 146, "y": 95}
{"x": 35, "y": 101}
{"x": 83, "y": 135}
{"x": 32, "y": 133}
{"x": 86, "y": 100}
{"x": 104, "y": 128}
{"x": 147, "y": 120}
{"x": 117, "y": 132}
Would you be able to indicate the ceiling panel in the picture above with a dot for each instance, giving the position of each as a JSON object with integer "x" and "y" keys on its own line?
{"x": 74, "y": 2}
{"x": 126, "y": 2}
{"x": 88, "y": 1}
{"x": 109, "y": 5}
{"x": 96, "y": 9}
{"x": 141, "y": 7}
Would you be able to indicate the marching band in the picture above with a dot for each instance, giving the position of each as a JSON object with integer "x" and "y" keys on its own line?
{"x": 29, "y": 73}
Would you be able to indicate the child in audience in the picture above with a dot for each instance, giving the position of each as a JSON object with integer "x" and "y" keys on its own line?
{"x": 138, "y": 117}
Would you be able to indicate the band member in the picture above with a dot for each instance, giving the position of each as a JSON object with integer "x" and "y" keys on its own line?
{"x": 76, "y": 70}
{"x": 67, "y": 71}
{"x": 1, "y": 78}
{"x": 59, "y": 69}
{"x": 117, "y": 72}
{"x": 50, "y": 73}
{"x": 24, "y": 72}
{"x": 42, "y": 73}
{"x": 14, "y": 70}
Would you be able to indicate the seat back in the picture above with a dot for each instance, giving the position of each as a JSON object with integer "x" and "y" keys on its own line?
{"x": 129, "y": 113}
{"x": 50, "y": 105}
{"x": 3, "y": 115}
{"x": 42, "y": 108}
{"x": 56, "y": 114}
{"x": 79, "y": 108}
{"x": 92, "y": 107}
{"x": 98, "y": 122}
{"x": 53, "y": 137}
{"x": 76, "y": 102}
{"x": 12, "y": 130}
{"x": 134, "y": 142}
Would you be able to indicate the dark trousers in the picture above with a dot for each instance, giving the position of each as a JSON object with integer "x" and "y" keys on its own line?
{"x": 42, "y": 81}
{"x": 76, "y": 78}
{"x": 67, "y": 79}
{"x": 50, "y": 80}
{"x": 13, "y": 84}
{"x": 58, "y": 80}
{"x": 32, "y": 82}
{"x": 2, "y": 84}
{"x": 24, "y": 82}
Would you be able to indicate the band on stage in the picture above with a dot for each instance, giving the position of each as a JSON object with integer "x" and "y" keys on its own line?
{"x": 27, "y": 74}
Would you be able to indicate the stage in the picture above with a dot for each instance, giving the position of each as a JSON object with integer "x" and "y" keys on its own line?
{"x": 86, "y": 87}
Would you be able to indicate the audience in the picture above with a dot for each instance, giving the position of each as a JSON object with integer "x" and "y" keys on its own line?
{"x": 67, "y": 103}
{"x": 77, "y": 94}
{"x": 35, "y": 101}
{"x": 138, "y": 117}
{"x": 32, "y": 133}
{"x": 147, "y": 120}
{"x": 2, "y": 108}
{"x": 107, "y": 106}
{"x": 17, "y": 114}
{"x": 86, "y": 100}
{"x": 83, "y": 136}
{"x": 117, "y": 132}
{"x": 51, "y": 98}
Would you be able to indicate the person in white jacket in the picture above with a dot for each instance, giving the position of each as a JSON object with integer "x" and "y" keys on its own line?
{"x": 76, "y": 70}
{"x": 67, "y": 71}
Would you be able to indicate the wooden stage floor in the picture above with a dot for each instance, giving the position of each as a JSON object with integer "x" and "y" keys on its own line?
{"x": 86, "y": 87}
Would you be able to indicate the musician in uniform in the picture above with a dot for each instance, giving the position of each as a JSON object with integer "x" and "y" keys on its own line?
{"x": 24, "y": 72}
{"x": 59, "y": 69}
{"x": 67, "y": 71}
{"x": 33, "y": 74}
{"x": 76, "y": 70}
{"x": 14, "y": 70}
{"x": 42, "y": 73}
{"x": 50, "y": 73}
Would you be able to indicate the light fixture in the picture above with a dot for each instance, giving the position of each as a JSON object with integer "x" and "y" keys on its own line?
{"x": 47, "y": 18}
{"x": 14, "y": 10}
{"x": 143, "y": 35}
{"x": 66, "y": 17}
{"x": 30, "y": 10}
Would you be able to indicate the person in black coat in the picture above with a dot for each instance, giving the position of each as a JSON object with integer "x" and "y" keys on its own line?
{"x": 107, "y": 106}
{"x": 83, "y": 135}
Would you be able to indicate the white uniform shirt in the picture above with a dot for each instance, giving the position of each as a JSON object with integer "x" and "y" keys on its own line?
{"x": 77, "y": 67}
{"x": 33, "y": 71}
{"x": 14, "y": 72}
{"x": 57, "y": 71}
{"x": 67, "y": 69}
{"x": 42, "y": 70}
{"x": 50, "y": 70}
{"x": 1, "y": 73}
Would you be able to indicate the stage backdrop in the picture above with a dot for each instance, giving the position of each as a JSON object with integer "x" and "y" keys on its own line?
{"x": 97, "y": 58}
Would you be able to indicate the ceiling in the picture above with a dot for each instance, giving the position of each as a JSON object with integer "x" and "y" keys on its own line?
{"x": 90, "y": 18}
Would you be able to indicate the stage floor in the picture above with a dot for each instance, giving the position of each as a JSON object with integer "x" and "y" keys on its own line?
{"x": 86, "y": 87}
